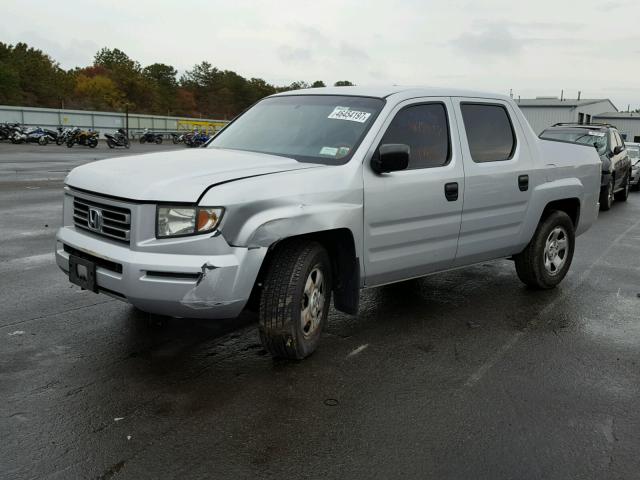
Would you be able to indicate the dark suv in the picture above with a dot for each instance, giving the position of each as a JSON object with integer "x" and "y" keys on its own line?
{"x": 616, "y": 163}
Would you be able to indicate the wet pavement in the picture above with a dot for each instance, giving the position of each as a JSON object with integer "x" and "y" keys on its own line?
{"x": 465, "y": 374}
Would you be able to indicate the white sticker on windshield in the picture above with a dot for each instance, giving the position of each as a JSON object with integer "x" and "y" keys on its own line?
{"x": 597, "y": 134}
{"x": 329, "y": 151}
{"x": 344, "y": 113}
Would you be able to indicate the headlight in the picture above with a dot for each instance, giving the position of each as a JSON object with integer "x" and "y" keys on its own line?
{"x": 178, "y": 221}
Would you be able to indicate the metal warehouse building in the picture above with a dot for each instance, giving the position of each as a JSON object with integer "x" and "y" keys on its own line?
{"x": 627, "y": 123}
{"x": 542, "y": 112}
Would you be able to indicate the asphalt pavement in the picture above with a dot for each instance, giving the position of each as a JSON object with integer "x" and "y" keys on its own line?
{"x": 461, "y": 375}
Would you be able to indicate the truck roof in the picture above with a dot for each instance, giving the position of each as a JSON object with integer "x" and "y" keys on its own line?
{"x": 404, "y": 91}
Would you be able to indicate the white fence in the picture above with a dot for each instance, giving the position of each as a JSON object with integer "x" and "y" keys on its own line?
{"x": 104, "y": 122}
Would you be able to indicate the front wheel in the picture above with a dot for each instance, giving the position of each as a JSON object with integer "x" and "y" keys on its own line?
{"x": 546, "y": 260}
{"x": 606, "y": 197}
{"x": 110, "y": 143}
{"x": 295, "y": 298}
{"x": 623, "y": 194}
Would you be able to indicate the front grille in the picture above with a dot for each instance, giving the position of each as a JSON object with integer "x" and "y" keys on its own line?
{"x": 101, "y": 219}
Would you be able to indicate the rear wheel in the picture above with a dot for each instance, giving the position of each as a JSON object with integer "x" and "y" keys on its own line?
{"x": 295, "y": 299}
{"x": 110, "y": 143}
{"x": 142, "y": 139}
{"x": 158, "y": 140}
{"x": 546, "y": 260}
{"x": 623, "y": 194}
{"x": 606, "y": 196}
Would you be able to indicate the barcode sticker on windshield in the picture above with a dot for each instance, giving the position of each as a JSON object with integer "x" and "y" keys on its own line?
{"x": 344, "y": 113}
{"x": 597, "y": 134}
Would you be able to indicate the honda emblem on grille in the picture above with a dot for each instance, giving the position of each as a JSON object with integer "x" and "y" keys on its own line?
{"x": 95, "y": 219}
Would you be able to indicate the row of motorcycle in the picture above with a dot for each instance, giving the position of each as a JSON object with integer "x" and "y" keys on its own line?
{"x": 191, "y": 139}
{"x": 16, "y": 133}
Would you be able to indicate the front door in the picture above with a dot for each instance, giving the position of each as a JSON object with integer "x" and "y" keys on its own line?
{"x": 412, "y": 217}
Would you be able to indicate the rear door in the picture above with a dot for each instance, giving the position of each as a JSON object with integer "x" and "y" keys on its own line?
{"x": 498, "y": 179}
{"x": 620, "y": 161}
{"x": 412, "y": 217}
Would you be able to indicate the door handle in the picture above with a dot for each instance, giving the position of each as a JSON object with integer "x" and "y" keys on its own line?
{"x": 451, "y": 191}
{"x": 523, "y": 183}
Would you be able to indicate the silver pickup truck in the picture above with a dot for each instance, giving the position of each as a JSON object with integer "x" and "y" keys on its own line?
{"x": 323, "y": 192}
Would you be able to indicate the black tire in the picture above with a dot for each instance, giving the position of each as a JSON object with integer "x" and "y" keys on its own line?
{"x": 175, "y": 140}
{"x": 158, "y": 140}
{"x": 623, "y": 194}
{"x": 110, "y": 144}
{"x": 606, "y": 197}
{"x": 142, "y": 139}
{"x": 59, "y": 141}
{"x": 292, "y": 264}
{"x": 93, "y": 143}
{"x": 69, "y": 144}
{"x": 530, "y": 263}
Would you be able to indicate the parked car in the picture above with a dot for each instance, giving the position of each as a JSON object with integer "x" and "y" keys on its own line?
{"x": 314, "y": 194}
{"x": 616, "y": 163}
{"x": 634, "y": 155}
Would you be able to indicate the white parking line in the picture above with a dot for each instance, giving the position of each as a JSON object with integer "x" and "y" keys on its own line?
{"x": 513, "y": 340}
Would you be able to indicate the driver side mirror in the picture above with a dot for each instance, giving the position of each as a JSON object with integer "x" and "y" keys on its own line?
{"x": 618, "y": 149}
{"x": 391, "y": 157}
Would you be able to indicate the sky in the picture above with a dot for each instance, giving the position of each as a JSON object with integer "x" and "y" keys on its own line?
{"x": 533, "y": 48}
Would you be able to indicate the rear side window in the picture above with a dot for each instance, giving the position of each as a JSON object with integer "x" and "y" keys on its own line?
{"x": 425, "y": 129}
{"x": 489, "y": 132}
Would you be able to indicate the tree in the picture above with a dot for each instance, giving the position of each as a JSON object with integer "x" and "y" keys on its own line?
{"x": 29, "y": 76}
{"x": 98, "y": 93}
{"x": 343, "y": 83}
{"x": 115, "y": 60}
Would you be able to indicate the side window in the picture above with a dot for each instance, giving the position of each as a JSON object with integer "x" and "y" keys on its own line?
{"x": 618, "y": 139}
{"x": 614, "y": 140}
{"x": 425, "y": 129}
{"x": 489, "y": 132}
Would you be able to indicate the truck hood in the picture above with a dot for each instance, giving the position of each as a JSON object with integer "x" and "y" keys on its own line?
{"x": 177, "y": 176}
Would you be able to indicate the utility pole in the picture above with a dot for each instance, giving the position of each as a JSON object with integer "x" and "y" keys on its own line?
{"x": 126, "y": 118}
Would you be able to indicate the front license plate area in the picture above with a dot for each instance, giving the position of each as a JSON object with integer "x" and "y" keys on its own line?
{"x": 83, "y": 273}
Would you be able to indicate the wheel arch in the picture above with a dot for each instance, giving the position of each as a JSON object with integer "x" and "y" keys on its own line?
{"x": 345, "y": 266}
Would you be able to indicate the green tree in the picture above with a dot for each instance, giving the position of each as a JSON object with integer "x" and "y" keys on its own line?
{"x": 98, "y": 93}
{"x": 30, "y": 77}
{"x": 343, "y": 83}
{"x": 318, "y": 84}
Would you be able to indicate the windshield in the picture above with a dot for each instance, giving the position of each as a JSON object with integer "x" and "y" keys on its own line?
{"x": 309, "y": 128}
{"x": 582, "y": 136}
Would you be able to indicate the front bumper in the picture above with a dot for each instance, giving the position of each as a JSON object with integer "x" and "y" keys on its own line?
{"x": 173, "y": 284}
